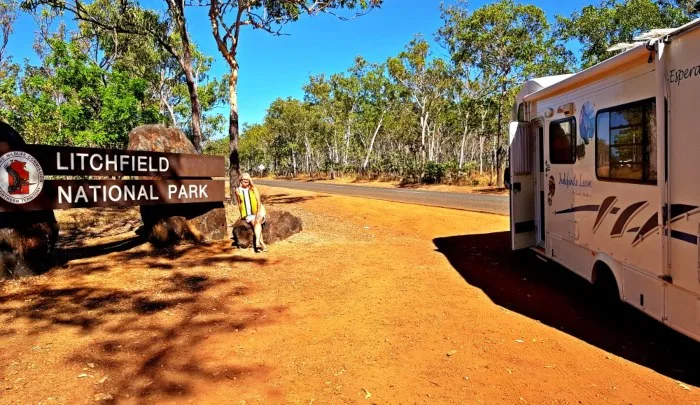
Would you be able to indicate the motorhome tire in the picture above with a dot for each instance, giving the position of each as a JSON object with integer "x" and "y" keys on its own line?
{"x": 605, "y": 286}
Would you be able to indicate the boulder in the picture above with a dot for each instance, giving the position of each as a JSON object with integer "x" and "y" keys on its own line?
{"x": 158, "y": 138}
{"x": 279, "y": 225}
{"x": 27, "y": 243}
{"x": 170, "y": 224}
{"x": 27, "y": 240}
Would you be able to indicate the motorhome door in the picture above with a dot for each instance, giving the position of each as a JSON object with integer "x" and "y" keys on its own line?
{"x": 540, "y": 180}
{"x": 522, "y": 190}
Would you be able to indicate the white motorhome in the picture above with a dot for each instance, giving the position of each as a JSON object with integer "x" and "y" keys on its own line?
{"x": 605, "y": 174}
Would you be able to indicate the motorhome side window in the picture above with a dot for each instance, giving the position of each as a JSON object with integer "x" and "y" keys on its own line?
{"x": 626, "y": 143}
{"x": 562, "y": 141}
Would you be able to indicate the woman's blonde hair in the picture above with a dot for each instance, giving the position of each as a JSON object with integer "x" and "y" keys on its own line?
{"x": 246, "y": 176}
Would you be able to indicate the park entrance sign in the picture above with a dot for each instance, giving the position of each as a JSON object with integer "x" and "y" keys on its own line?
{"x": 33, "y": 177}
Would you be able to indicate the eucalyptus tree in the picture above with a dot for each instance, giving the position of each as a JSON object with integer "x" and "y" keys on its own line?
{"x": 318, "y": 94}
{"x": 345, "y": 90}
{"x": 228, "y": 17}
{"x": 8, "y": 15}
{"x": 420, "y": 77}
{"x": 128, "y": 17}
{"x": 378, "y": 98}
{"x": 504, "y": 41}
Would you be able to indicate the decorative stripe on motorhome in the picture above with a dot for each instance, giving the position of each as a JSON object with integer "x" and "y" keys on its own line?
{"x": 648, "y": 227}
{"x": 686, "y": 237}
{"x": 593, "y": 208}
{"x": 605, "y": 208}
{"x": 678, "y": 211}
{"x": 624, "y": 219}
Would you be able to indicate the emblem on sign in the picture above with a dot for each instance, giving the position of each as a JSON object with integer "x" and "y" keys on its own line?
{"x": 21, "y": 177}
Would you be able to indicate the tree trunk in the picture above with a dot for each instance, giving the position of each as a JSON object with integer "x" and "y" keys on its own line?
{"x": 196, "y": 108}
{"x": 464, "y": 142}
{"x": 371, "y": 144}
{"x": 424, "y": 127}
{"x": 234, "y": 164}
{"x": 482, "y": 139}
{"x": 348, "y": 135}
{"x": 499, "y": 173}
{"x": 190, "y": 78}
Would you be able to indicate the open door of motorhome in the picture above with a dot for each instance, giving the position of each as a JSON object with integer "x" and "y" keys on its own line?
{"x": 522, "y": 191}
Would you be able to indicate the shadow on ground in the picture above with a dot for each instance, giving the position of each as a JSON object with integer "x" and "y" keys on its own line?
{"x": 557, "y": 297}
{"x": 283, "y": 199}
{"x": 146, "y": 333}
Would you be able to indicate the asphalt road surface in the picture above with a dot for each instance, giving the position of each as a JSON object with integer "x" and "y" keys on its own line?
{"x": 495, "y": 204}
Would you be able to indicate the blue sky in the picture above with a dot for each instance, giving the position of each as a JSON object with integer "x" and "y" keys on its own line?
{"x": 278, "y": 66}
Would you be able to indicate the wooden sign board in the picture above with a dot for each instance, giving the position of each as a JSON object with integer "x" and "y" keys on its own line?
{"x": 68, "y": 161}
{"x": 185, "y": 178}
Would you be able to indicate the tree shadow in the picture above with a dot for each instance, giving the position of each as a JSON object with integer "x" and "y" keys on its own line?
{"x": 66, "y": 254}
{"x": 79, "y": 226}
{"x": 147, "y": 338}
{"x": 557, "y": 297}
{"x": 283, "y": 199}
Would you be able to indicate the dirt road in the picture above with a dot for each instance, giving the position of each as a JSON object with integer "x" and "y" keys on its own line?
{"x": 489, "y": 203}
{"x": 364, "y": 306}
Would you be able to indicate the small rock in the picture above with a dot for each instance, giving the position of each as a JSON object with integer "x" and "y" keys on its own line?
{"x": 519, "y": 341}
{"x": 102, "y": 397}
{"x": 466, "y": 378}
{"x": 451, "y": 353}
{"x": 102, "y": 380}
{"x": 91, "y": 365}
{"x": 83, "y": 375}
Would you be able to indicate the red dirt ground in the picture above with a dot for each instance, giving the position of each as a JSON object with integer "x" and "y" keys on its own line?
{"x": 374, "y": 302}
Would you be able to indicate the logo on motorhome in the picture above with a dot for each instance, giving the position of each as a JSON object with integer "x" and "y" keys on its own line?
{"x": 21, "y": 177}
{"x": 587, "y": 119}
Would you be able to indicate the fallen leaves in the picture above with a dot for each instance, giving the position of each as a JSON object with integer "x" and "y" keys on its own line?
{"x": 368, "y": 394}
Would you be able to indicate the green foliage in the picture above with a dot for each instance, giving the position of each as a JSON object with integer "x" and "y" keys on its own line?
{"x": 597, "y": 28}
{"x": 94, "y": 85}
{"x": 71, "y": 100}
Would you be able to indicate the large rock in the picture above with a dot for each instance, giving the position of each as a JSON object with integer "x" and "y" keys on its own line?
{"x": 170, "y": 224}
{"x": 27, "y": 240}
{"x": 27, "y": 243}
{"x": 158, "y": 138}
{"x": 279, "y": 225}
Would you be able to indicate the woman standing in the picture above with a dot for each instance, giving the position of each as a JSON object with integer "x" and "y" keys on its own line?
{"x": 252, "y": 209}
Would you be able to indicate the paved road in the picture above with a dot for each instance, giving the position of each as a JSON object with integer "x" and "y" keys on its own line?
{"x": 496, "y": 204}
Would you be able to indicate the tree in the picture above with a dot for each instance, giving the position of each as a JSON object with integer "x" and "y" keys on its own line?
{"x": 421, "y": 79}
{"x": 505, "y": 41}
{"x": 227, "y": 17}
{"x": 597, "y": 28}
{"x": 127, "y": 17}
{"x": 8, "y": 15}
{"x": 71, "y": 100}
